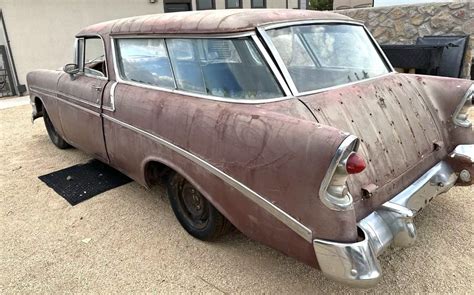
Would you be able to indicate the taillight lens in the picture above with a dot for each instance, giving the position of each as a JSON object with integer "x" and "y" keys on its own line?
{"x": 355, "y": 164}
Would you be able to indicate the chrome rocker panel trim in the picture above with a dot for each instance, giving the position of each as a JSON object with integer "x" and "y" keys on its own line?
{"x": 356, "y": 264}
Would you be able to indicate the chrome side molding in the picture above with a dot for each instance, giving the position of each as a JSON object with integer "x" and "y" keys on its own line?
{"x": 259, "y": 200}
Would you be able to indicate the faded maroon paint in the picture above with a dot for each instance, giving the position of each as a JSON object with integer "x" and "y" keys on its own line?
{"x": 402, "y": 133}
{"x": 277, "y": 149}
{"x": 206, "y": 21}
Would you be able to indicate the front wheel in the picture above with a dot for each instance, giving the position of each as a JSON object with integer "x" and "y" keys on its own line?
{"x": 53, "y": 135}
{"x": 194, "y": 212}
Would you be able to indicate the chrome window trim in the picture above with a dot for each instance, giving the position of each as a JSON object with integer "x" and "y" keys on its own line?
{"x": 278, "y": 60}
{"x": 139, "y": 35}
{"x": 260, "y": 48}
{"x": 343, "y": 85}
{"x": 268, "y": 206}
{"x": 111, "y": 108}
{"x": 271, "y": 64}
{"x": 308, "y": 22}
{"x": 274, "y": 52}
{"x": 76, "y": 57}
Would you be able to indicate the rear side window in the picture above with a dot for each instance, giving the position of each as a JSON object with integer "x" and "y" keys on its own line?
{"x": 231, "y": 68}
{"x": 145, "y": 61}
{"x": 228, "y": 68}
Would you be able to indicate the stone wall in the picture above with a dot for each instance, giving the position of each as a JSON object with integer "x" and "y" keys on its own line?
{"x": 404, "y": 24}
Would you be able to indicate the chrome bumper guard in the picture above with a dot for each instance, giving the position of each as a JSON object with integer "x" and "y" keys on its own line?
{"x": 356, "y": 264}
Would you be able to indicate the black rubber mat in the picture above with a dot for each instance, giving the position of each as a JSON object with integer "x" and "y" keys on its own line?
{"x": 84, "y": 181}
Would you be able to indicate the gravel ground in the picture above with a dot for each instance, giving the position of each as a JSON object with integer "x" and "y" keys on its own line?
{"x": 127, "y": 239}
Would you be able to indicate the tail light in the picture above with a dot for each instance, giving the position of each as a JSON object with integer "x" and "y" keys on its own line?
{"x": 461, "y": 114}
{"x": 355, "y": 164}
{"x": 333, "y": 191}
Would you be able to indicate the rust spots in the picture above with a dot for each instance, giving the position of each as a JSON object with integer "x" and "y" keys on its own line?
{"x": 382, "y": 102}
{"x": 368, "y": 190}
{"x": 437, "y": 145}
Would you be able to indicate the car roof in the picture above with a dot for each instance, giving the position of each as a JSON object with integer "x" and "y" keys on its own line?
{"x": 206, "y": 21}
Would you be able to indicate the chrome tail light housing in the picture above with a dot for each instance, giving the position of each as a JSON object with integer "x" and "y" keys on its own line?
{"x": 333, "y": 191}
{"x": 461, "y": 114}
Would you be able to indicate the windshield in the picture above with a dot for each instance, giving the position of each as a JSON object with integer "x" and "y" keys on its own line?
{"x": 321, "y": 56}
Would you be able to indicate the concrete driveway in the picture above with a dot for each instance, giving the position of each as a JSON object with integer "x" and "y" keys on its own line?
{"x": 127, "y": 239}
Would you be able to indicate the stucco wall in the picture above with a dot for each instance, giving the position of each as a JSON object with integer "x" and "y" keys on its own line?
{"x": 404, "y": 24}
{"x": 42, "y": 32}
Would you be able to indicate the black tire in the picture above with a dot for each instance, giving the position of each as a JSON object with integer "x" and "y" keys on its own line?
{"x": 194, "y": 212}
{"x": 53, "y": 135}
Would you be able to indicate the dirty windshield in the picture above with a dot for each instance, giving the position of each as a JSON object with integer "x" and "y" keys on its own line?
{"x": 320, "y": 56}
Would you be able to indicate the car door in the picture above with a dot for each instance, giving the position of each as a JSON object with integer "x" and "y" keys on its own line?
{"x": 80, "y": 98}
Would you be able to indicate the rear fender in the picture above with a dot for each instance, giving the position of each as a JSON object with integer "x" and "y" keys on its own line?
{"x": 445, "y": 95}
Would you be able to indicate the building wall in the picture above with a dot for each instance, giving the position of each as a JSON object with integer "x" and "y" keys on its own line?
{"x": 404, "y": 24}
{"x": 41, "y": 32}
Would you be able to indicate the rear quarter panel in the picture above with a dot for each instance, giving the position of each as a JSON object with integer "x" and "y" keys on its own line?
{"x": 282, "y": 158}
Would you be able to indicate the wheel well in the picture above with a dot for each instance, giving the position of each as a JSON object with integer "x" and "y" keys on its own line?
{"x": 156, "y": 173}
{"x": 39, "y": 107}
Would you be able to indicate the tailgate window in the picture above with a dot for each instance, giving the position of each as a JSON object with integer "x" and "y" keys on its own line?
{"x": 320, "y": 56}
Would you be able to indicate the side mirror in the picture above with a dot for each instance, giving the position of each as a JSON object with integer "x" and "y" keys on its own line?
{"x": 71, "y": 69}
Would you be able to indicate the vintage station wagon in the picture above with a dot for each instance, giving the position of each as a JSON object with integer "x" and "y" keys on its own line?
{"x": 290, "y": 125}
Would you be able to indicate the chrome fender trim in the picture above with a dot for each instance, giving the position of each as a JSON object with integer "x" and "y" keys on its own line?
{"x": 259, "y": 200}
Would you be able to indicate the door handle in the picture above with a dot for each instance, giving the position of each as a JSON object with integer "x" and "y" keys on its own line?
{"x": 97, "y": 88}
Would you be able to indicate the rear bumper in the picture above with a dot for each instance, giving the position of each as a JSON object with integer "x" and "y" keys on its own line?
{"x": 356, "y": 264}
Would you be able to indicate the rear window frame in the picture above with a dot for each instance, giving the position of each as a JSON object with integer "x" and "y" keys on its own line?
{"x": 260, "y": 47}
{"x": 262, "y": 30}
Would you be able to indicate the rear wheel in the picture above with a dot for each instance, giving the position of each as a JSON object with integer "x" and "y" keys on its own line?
{"x": 53, "y": 135}
{"x": 194, "y": 212}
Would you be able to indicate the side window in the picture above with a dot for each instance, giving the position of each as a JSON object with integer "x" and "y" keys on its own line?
{"x": 186, "y": 65}
{"x": 231, "y": 68}
{"x": 94, "y": 58}
{"x": 294, "y": 55}
{"x": 144, "y": 61}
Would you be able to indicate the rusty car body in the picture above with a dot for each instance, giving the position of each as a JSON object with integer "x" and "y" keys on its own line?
{"x": 272, "y": 129}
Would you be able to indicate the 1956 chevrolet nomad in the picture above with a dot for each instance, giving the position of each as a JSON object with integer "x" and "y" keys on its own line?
{"x": 290, "y": 125}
